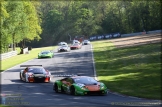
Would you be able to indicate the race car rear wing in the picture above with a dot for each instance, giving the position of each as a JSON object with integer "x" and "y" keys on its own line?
{"x": 66, "y": 75}
{"x": 29, "y": 65}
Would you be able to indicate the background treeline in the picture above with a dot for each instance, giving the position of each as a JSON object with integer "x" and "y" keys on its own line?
{"x": 19, "y": 22}
{"x": 44, "y": 23}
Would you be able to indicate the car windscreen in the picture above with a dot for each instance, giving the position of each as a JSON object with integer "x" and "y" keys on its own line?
{"x": 85, "y": 80}
{"x": 75, "y": 44}
{"x": 37, "y": 70}
{"x": 64, "y": 46}
{"x": 45, "y": 52}
{"x": 85, "y": 40}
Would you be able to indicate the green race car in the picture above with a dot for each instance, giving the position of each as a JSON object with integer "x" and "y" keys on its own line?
{"x": 45, "y": 54}
{"x": 80, "y": 85}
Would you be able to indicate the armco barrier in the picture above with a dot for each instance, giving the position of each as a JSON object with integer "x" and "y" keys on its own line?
{"x": 8, "y": 55}
{"x": 154, "y": 32}
{"x": 132, "y": 34}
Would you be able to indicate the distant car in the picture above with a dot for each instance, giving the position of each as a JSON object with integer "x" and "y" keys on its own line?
{"x": 86, "y": 42}
{"x": 34, "y": 73}
{"x": 64, "y": 48}
{"x": 75, "y": 46}
{"x": 45, "y": 54}
{"x": 80, "y": 85}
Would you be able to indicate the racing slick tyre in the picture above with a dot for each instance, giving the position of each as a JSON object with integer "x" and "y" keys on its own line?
{"x": 72, "y": 90}
{"x": 62, "y": 90}
{"x": 55, "y": 88}
{"x": 20, "y": 77}
{"x": 26, "y": 80}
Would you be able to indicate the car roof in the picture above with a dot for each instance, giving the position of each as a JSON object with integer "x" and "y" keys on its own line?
{"x": 45, "y": 51}
{"x": 35, "y": 67}
{"x": 79, "y": 77}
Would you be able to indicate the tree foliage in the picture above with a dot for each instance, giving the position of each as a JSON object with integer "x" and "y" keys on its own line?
{"x": 53, "y": 21}
{"x": 63, "y": 18}
{"x": 19, "y": 22}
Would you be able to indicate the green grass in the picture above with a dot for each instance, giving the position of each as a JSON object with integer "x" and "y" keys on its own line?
{"x": 10, "y": 62}
{"x": 5, "y": 106}
{"x": 134, "y": 71}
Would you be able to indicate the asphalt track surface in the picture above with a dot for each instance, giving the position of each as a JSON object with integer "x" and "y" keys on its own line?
{"x": 18, "y": 93}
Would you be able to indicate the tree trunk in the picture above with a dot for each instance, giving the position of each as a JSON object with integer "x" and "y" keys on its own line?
{"x": 13, "y": 38}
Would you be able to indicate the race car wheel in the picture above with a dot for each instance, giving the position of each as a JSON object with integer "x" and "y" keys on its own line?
{"x": 62, "y": 90}
{"x": 20, "y": 77}
{"x": 72, "y": 90}
{"x": 55, "y": 88}
{"x": 26, "y": 80}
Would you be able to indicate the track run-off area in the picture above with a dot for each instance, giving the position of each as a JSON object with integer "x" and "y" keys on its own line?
{"x": 19, "y": 93}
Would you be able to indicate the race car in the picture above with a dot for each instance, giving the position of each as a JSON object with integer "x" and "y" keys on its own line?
{"x": 86, "y": 42}
{"x": 64, "y": 48}
{"x": 34, "y": 73}
{"x": 45, "y": 54}
{"x": 80, "y": 85}
{"x": 75, "y": 46}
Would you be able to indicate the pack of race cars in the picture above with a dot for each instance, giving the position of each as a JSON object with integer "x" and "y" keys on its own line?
{"x": 69, "y": 84}
{"x": 63, "y": 46}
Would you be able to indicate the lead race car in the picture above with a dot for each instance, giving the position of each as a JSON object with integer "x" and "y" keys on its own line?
{"x": 34, "y": 73}
{"x": 63, "y": 48}
{"x": 80, "y": 85}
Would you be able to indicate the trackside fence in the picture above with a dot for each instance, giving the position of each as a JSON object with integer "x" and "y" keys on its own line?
{"x": 8, "y": 55}
{"x": 141, "y": 33}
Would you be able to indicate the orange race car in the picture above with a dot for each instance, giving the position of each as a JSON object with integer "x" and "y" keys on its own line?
{"x": 80, "y": 85}
{"x": 75, "y": 46}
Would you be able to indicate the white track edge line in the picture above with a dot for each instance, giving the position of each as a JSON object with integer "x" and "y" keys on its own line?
{"x": 94, "y": 68}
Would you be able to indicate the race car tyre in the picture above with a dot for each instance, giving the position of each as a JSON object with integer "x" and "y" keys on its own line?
{"x": 20, "y": 77}
{"x": 26, "y": 80}
{"x": 72, "y": 90}
{"x": 49, "y": 80}
{"x": 105, "y": 94}
{"x": 62, "y": 90}
{"x": 55, "y": 88}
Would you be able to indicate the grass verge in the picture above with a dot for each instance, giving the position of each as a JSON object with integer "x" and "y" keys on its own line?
{"x": 134, "y": 71}
{"x": 10, "y": 62}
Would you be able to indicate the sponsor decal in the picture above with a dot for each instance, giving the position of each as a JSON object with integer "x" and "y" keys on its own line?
{"x": 80, "y": 85}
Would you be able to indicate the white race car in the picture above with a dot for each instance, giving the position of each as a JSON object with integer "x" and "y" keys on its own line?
{"x": 64, "y": 48}
{"x": 86, "y": 42}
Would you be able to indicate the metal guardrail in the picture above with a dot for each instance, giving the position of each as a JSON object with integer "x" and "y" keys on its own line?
{"x": 154, "y": 32}
{"x": 8, "y": 55}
